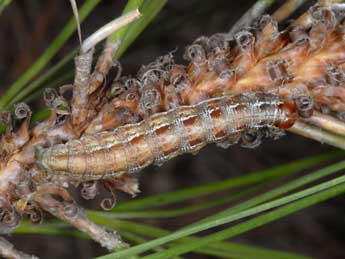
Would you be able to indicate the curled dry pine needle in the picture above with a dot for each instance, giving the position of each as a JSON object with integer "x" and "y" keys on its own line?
{"x": 238, "y": 87}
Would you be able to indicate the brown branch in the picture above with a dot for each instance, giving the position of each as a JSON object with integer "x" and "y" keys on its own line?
{"x": 83, "y": 64}
{"x": 68, "y": 211}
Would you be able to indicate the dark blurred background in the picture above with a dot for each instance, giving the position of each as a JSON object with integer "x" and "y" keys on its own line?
{"x": 27, "y": 28}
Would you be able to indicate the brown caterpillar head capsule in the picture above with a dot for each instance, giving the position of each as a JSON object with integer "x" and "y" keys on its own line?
{"x": 290, "y": 109}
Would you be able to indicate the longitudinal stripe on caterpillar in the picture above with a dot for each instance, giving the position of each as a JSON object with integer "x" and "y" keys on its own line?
{"x": 165, "y": 135}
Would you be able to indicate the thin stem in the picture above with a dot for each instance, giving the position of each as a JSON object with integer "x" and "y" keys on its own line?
{"x": 7, "y": 250}
{"x": 288, "y": 8}
{"x": 108, "y": 29}
{"x": 69, "y": 212}
{"x": 77, "y": 19}
{"x": 318, "y": 134}
{"x": 327, "y": 122}
{"x": 149, "y": 9}
{"x": 119, "y": 34}
{"x": 254, "y": 12}
{"x": 329, "y": 2}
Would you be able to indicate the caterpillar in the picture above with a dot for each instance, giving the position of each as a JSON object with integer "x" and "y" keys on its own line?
{"x": 166, "y": 135}
{"x": 257, "y": 82}
{"x": 292, "y": 63}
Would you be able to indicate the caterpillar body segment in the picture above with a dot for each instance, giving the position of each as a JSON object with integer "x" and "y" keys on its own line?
{"x": 163, "y": 136}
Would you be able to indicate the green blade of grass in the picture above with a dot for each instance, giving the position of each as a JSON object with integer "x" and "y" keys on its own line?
{"x": 136, "y": 232}
{"x": 220, "y": 249}
{"x": 120, "y": 34}
{"x": 280, "y": 190}
{"x": 58, "y": 42}
{"x": 149, "y": 10}
{"x": 228, "y": 218}
{"x": 251, "y": 178}
{"x": 253, "y": 223}
{"x": 176, "y": 212}
{"x": 45, "y": 78}
{"x": 136, "y": 239}
{"x": 3, "y": 4}
{"x": 48, "y": 229}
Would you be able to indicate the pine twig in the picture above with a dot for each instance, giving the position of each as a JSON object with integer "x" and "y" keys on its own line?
{"x": 308, "y": 131}
{"x": 327, "y": 122}
{"x": 254, "y": 12}
{"x": 288, "y": 8}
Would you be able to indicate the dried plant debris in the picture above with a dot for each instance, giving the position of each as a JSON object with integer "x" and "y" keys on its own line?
{"x": 234, "y": 89}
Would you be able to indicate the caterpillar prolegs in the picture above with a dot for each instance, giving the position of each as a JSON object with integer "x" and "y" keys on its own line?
{"x": 163, "y": 136}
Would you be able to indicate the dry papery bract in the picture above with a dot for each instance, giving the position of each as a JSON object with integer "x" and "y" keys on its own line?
{"x": 234, "y": 89}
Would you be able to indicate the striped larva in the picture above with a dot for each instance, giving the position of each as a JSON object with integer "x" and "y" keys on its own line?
{"x": 165, "y": 135}
{"x": 110, "y": 130}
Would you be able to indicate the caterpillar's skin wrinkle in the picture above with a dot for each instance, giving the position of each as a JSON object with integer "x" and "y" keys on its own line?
{"x": 163, "y": 136}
